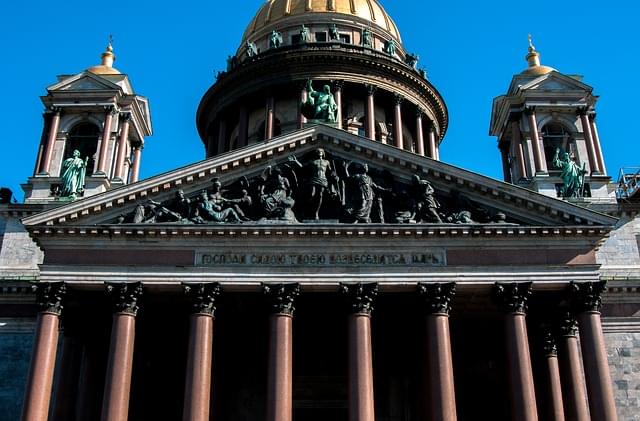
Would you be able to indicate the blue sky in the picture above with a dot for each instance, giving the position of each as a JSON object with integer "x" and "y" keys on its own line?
{"x": 171, "y": 53}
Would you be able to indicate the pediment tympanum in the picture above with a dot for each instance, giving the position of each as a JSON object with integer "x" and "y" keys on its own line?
{"x": 85, "y": 81}
{"x": 319, "y": 175}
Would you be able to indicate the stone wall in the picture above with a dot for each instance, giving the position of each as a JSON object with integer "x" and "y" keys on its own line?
{"x": 621, "y": 248}
{"x": 16, "y": 341}
{"x": 622, "y": 337}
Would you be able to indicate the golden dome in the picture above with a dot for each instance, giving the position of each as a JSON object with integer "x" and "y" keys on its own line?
{"x": 106, "y": 67}
{"x": 369, "y": 11}
{"x": 533, "y": 58}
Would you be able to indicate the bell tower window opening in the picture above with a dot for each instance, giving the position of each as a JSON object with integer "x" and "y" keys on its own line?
{"x": 556, "y": 136}
{"x": 84, "y": 138}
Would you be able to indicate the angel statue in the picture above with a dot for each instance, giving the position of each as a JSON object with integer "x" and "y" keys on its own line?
{"x": 72, "y": 175}
{"x": 320, "y": 106}
{"x": 363, "y": 190}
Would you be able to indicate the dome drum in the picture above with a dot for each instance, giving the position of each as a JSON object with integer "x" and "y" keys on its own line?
{"x": 282, "y": 75}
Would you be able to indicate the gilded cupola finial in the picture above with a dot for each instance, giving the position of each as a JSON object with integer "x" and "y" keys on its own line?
{"x": 533, "y": 58}
{"x": 108, "y": 57}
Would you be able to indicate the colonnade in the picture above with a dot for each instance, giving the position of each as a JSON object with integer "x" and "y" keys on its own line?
{"x": 563, "y": 366}
{"x": 104, "y": 162}
{"x": 424, "y": 145}
{"x": 539, "y": 165}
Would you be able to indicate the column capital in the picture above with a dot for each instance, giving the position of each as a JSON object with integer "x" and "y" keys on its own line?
{"x": 125, "y": 296}
{"x": 371, "y": 89}
{"x": 582, "y": 111}
{"x": 203, "y": 297}
{"x": 586, "y": 296}
{"x": 125, "y": 116}
{"x": 361, "y": 296}
{"x": 110, "y": 109}
{"x": 338, "y": 85}
{"x": 549, "y": 345}
{"x": 512, "y": 297}
{"x": 420, "y": 112}
{"x": 529, "y": 110}
{"x": 281, "y": 297}
{"x": 53, "y": 110}
{"x": 568, "y": 325}
{"x": 50, "y": 296}
{"x": 438, "y": 297}
{"x": 398, "y": 99}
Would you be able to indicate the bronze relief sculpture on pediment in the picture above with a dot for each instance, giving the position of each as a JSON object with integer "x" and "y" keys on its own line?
{"x": 316, "y": 187}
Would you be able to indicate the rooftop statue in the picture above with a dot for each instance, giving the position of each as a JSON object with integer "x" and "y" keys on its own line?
{"x": 320, "y": 106}
{"x": 367, "y": 38}
{"x": 72, "y": 175}
{"x": 333, "y": 33}
{"x": 572, "y": 175}
{"x": 275, "y": 39}
{"x": 390, "y": 47}
{"x": 412, "y": 60}
{"x": 252, "y": 50}
{"x": 305, "y": 35}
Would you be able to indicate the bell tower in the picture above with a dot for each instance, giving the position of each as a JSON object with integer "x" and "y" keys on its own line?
{"x": 546, "y": 130}
{"x": 94, "y": 131}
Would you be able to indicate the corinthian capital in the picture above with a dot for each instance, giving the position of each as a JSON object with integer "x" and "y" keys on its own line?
{"x": 438, "y": 297}
{"x": 281, "y": 297}
{"x": 49, "y": 296}
{"x": 125, "y": 296}
{"x": 512, "y": 297}
{"x": 587, "y": 296}
{"x": 361, "y": 296}
{"x": 203, "y": 297}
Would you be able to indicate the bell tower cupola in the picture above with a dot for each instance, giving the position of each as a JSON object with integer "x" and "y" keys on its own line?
{"x": 547, "y": 134}
{"x": 94, "y": 131}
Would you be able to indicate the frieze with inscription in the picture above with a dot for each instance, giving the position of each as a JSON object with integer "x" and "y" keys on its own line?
{"x": 316, "y": 187}
{"x": 319, "y": 259}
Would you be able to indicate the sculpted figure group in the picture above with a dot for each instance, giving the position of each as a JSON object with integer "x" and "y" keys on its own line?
{"x": 315, "y": 188}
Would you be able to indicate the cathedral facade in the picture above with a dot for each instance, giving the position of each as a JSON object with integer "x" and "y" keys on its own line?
{"x": 322, "y": 262}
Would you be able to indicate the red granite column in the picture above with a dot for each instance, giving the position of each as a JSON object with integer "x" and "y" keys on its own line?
{"x": 135, "y": 169}
{"x": 115, "y": 404}
{"x": 419, "y": 133}
{"x": 597, "y": 145}
{"x": 243, "y": 127}
{"x": 361, "y": 403}
{"x": 37, "y": 397}
{"x": 337, "y": 94}
{"x": 67, "y": 372}
{"x": 433, "y": 143}
{"x": 512, "y": 299}
{"x": 280, "y": 363}
{"x": 122, "y": 146}
{"x": 554, "y": 404}
{"x": 303, "y": 98}
{"x": 517, "y": 139}
{"x": 538, "y": 152}
{"x": 268, "y": 126}
{"x": 574, "y": 390}
{"x": 586, "y": 301}
{"x": 222, "y": 136}
{"x": 588, "y": 138}
{"x": 106, "y": 138}
{"x": 442, "y": 400}
{"x": 197, "y": 395}
{"x": 506, "y": 169}
{"x": 45, "y": 163}
{"x": 397, "y": 121}
{"x": 371, "y": 113}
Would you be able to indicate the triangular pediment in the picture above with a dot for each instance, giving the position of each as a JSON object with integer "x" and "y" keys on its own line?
{"x": 264, "y": 178}
{"x": 553, "y": 81}
{"x": 85, "y": 81}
